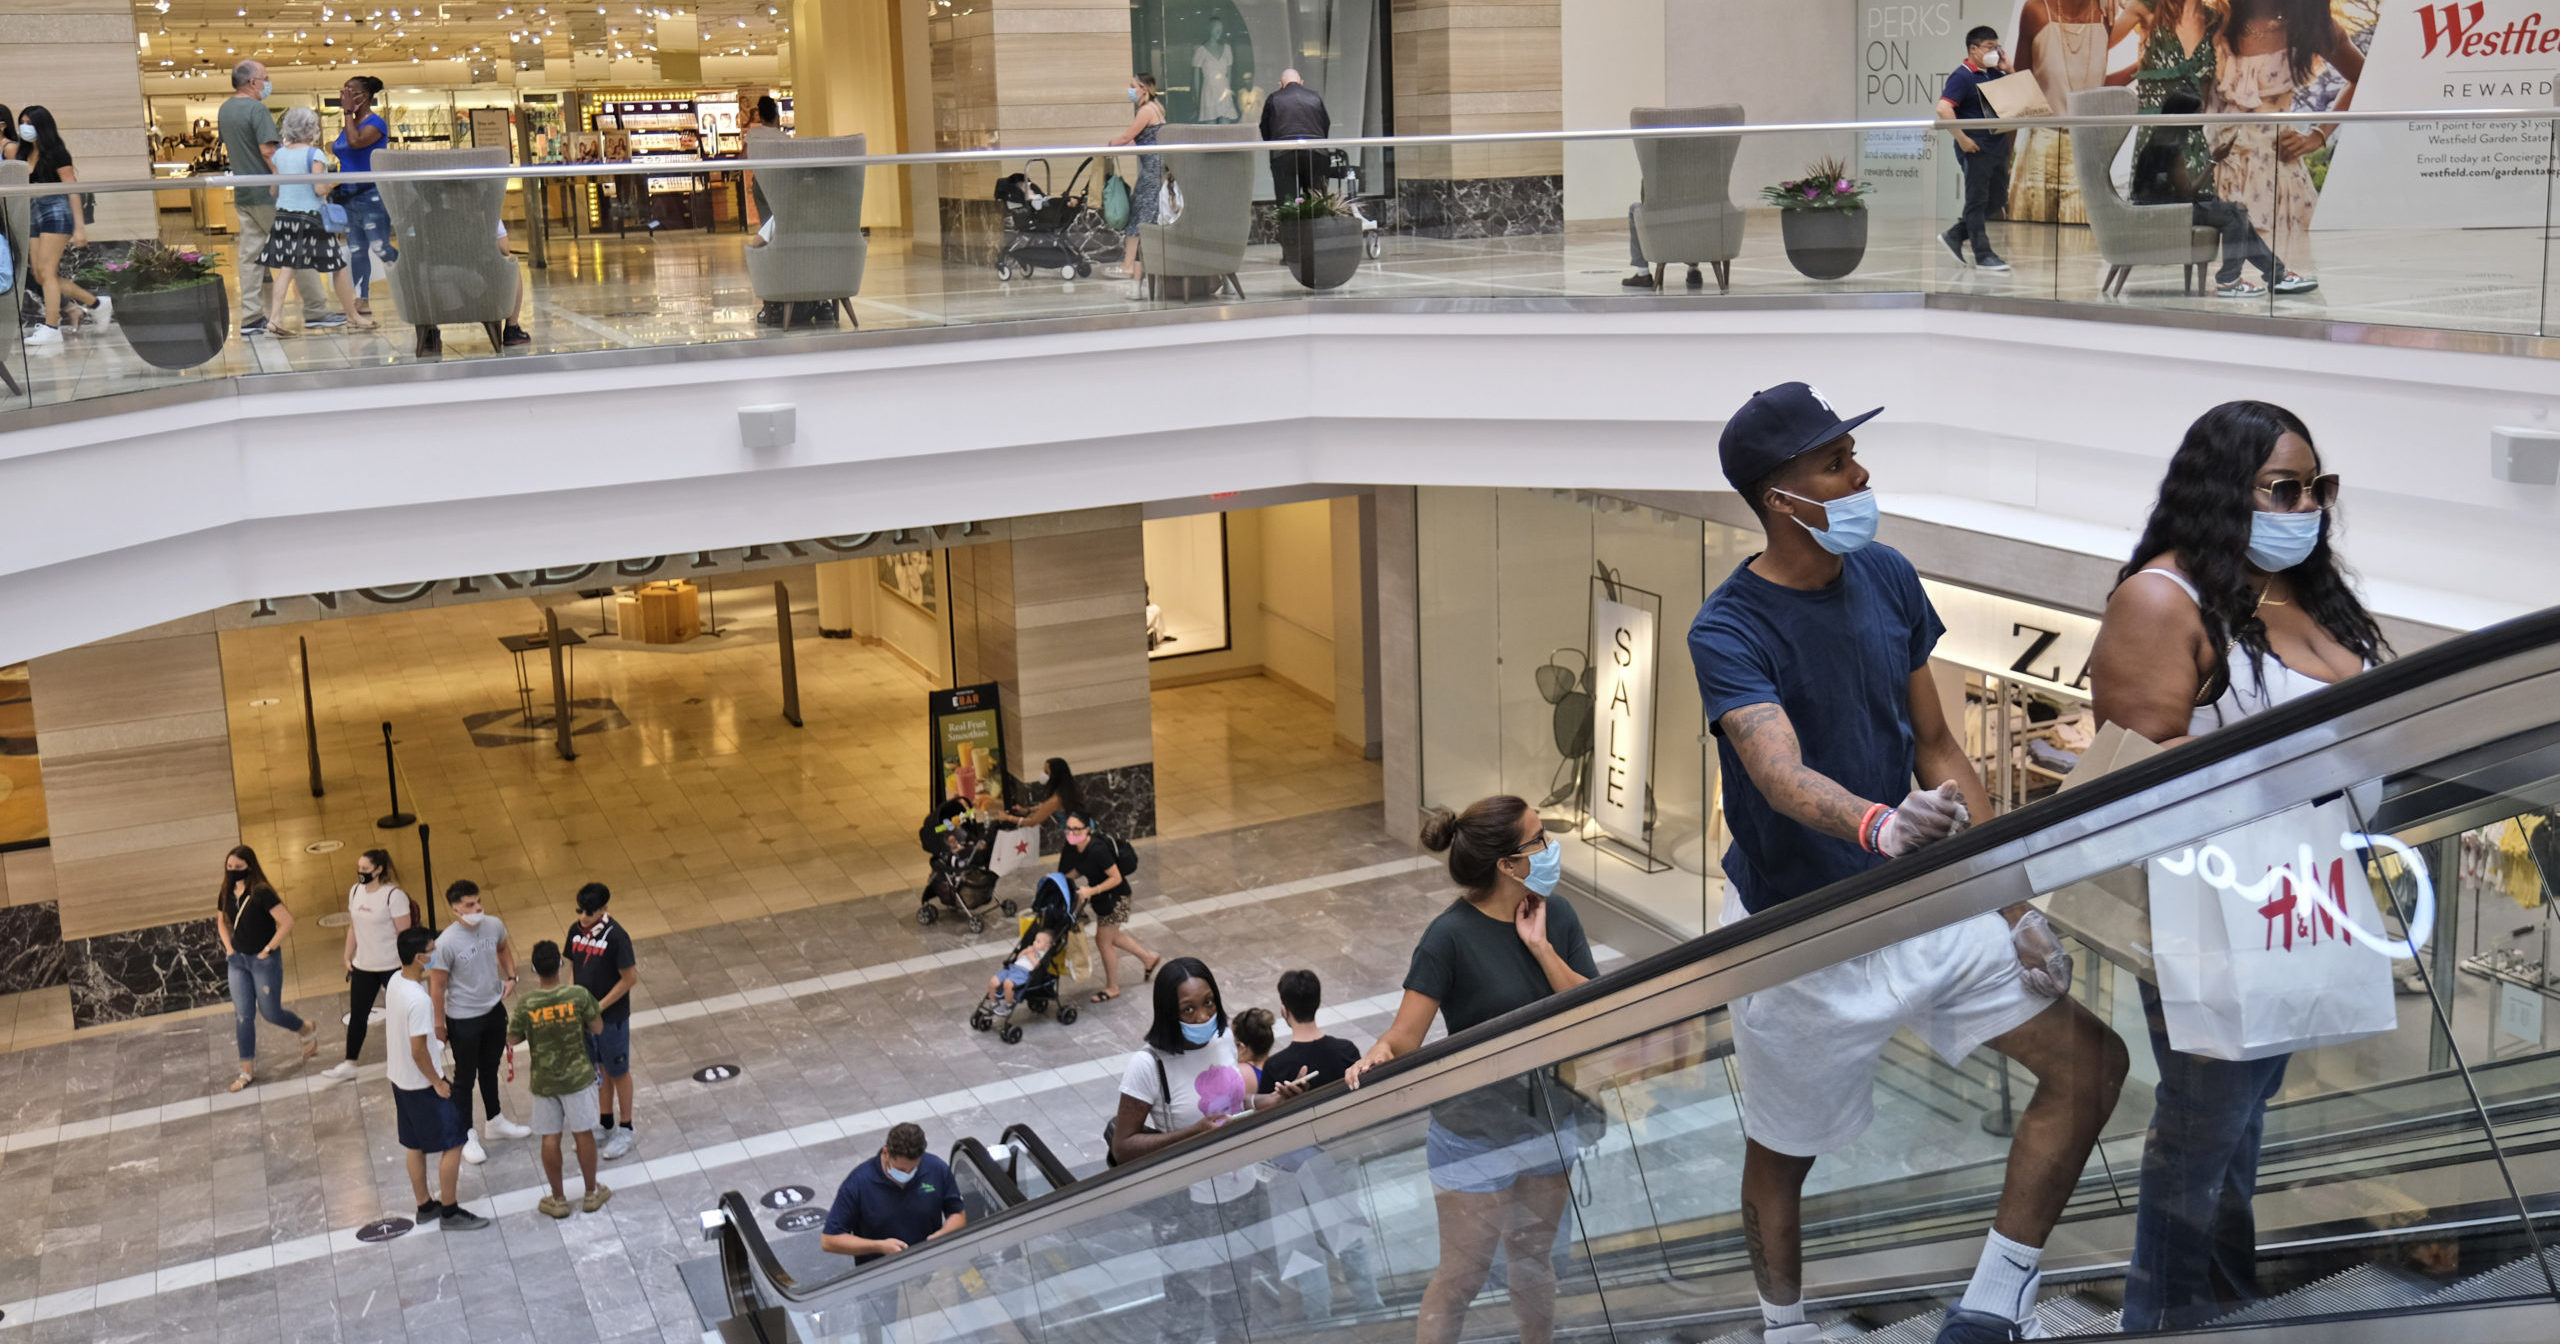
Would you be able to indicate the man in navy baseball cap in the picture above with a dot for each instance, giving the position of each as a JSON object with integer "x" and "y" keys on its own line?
{"x": 1835, "y": 756}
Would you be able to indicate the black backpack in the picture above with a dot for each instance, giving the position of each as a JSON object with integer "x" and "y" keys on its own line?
{"x": 1126, "y": 856}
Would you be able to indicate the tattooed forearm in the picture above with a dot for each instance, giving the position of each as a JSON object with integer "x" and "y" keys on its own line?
{"x": 1766, "y": 741}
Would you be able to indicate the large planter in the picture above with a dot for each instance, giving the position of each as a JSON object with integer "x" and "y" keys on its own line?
{"x": 1322, "y": 253}
{"x": 176, "y": 328}
{"x": 1824, "y": 244}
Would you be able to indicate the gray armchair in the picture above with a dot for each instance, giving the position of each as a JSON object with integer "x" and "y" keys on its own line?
{"x": 452, "y": 267}
{"x": 18, "y": 218}
{"x": 1217, "y": 209}
{"x": 817, "y": 250}
{"x": 1686, "y": 214}
{"x": 2130, "y": 235}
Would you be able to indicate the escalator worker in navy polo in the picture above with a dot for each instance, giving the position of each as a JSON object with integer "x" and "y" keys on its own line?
{"x": 903, "y": 1197}
{"x": 1813, "y": 662}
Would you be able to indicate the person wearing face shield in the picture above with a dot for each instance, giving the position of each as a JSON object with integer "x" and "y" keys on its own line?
{"x": 1835, "y": 756}
{"x": 1501, "y": 1157}
{"x": 2233, "y": 603}
{"x": 1984, "y": 155}
{"x": 469, "y": 975}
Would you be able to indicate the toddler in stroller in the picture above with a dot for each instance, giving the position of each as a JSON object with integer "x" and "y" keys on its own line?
{"x": 959, "y": 842}
{"x": 1031, "y": 972}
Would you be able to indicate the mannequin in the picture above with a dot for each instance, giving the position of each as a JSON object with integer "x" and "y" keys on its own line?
{"x": 1214, "y": 60}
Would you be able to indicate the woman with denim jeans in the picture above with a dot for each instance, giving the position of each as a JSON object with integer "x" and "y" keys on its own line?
{"x": 58, "y": 227}
{"x": 368, "y": 223}
{"x": 252, "y": 923}
{"x": 2242, "y": 605}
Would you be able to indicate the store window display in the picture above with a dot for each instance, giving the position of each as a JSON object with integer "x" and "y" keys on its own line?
{"x": 1213, "y": 69}
{"x": 1218, "y": 59}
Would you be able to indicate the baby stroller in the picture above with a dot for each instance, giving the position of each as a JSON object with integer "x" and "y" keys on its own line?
{"x": 1051, "y": 913}
{"x": 1043, "y": 230}
{"x": 1341, "y": 169}
{"x": 958, "y": 843}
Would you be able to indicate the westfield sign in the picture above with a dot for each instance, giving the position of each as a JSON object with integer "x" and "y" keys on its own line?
{"x": 2463, "y": 30}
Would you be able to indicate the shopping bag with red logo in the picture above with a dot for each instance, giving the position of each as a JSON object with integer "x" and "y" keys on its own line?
{"x": 2267, "y": 938}
{"x": 1016, "y": 848}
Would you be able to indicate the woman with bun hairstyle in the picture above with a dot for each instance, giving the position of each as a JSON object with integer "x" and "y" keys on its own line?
{"x": 377, "y": 914}
{"x": 1500, "y": 1156}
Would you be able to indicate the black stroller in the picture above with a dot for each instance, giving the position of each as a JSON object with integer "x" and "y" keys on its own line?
{"x": 1045, "y": 230}
{"x": 1052, "y": 912}
{"x": 959, "y": 844}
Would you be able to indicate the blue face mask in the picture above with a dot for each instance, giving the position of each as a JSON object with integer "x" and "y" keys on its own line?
{"x": 900, "y": 1177}
{"x": 1200, "y": 1033}
{"x": 1546, "y": 867}
{"x": 2279, "y": 541}
{"x": 1853, "y": 521}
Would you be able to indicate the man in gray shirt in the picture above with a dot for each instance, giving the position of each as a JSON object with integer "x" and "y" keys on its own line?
{"x": 249, "y": 139}
{"x": 468, "y": 975}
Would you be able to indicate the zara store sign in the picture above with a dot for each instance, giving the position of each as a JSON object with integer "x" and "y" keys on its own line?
{"x": 2006, "y": 637}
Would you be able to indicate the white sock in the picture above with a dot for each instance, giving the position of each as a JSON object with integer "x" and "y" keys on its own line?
{"x": 1772, "y": 1315}
{"x": 2005, "y": 1279}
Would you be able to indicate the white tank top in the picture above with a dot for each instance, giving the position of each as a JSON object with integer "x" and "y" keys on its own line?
{"x": 2246, "y": 694}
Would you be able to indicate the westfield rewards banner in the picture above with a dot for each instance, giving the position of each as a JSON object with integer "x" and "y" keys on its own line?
{"x": 2446, "y": 55}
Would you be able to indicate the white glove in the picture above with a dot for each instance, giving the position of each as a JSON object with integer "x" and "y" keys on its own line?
{"x": 2047, "y": 966}
{"x": 1927, "y": 816}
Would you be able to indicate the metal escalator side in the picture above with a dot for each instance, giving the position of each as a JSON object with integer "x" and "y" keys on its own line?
{"x": 1321, "y": 1215}
{"x": 1046, "y": 1172}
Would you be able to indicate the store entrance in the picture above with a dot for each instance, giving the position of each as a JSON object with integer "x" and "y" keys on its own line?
{"x": 1262, "y": 662}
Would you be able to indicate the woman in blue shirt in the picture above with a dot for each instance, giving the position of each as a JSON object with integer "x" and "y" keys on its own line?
{"x": 368, "y": 223}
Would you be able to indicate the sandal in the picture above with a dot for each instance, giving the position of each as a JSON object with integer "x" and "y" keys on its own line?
{"x": 1148, "y": 969}
{"x": 310, "y": 1043}
{"x": 241, "y": 1080}
{"x": 1105, "y": 995}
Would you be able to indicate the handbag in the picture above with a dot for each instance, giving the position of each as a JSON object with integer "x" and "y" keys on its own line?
{"x": 333, "y": 216}
{"x": 2267, "y": 939}
{"x": 1111, "y": 1127}
{"x": 1115, "y": 199}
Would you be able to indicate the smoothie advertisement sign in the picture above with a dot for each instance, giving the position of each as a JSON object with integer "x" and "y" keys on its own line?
{"x": 2285, "y": 56}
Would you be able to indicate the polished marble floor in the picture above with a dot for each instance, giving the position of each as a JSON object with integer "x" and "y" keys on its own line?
{"x": 706, "y": 809}
{"x": 600, "y": 293}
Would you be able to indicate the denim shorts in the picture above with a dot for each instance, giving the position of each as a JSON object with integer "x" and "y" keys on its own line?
{"x": 611, "y": 1048}
{"x": 428, "y": 1123}
{"x": 1474, "y": 1166}
{"x": 53, "y": 215}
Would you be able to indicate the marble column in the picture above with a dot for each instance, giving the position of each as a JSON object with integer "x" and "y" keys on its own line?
{"x": 1057, "y": 617}
{"x": 1399, "y": 606}
{"x": 76, "y": 59}
{"x": 134, "y": 739}
{"x": 1465, "y": 66}
{"x": 1019, "y": 74}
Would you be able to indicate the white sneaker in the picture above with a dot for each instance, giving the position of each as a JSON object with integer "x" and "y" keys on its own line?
{"x": 472, "y": 1152}
{"x": 618, "y": 1145}
{"x": 44, "y": 338}
{"x": 504, "y": 1128}
{"x": 103, "y": 311}
{"x": 340, "y": 1072}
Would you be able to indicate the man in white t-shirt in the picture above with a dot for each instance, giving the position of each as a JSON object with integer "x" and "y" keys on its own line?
{"x": 429, "y": 1121}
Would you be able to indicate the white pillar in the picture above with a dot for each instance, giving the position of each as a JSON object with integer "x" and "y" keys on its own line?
{"x": 838, "y": 586}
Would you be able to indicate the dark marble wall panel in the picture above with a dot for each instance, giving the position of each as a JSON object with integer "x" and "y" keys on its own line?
{"x": 31, "y": 952}
{"x": 972, "y": 231}
{"x": 144, "y": 972}
{"x": 1123, "y": 800}
{"x": 1482, "y": 207}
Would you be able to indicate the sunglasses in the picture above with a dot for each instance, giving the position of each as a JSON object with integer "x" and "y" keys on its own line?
{"x": 2288, "y": 494}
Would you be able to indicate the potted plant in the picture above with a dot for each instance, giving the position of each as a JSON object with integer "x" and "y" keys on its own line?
{"x": 1823, "y": 216}
{"x": 1320, "y": 238}
{"x": 171, "y": 306}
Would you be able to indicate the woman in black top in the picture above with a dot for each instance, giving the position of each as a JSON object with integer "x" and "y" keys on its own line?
{"x": 1091, "y": 862}
{"x": 57, "y": 225}
{"x": 1499, "y": 1156}
{"x": 252, "y": 923}
{"x": 1064, "y": 796}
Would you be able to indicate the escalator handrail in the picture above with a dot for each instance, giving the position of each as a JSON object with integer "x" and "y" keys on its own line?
{"x": 984, "y": 1163}
{"x": 1055, "y": 1172}
{"x": 1933, "y": 878}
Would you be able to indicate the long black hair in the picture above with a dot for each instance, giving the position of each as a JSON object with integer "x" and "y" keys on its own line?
{"x": 2203, "y": 517}
{"x": 2308, "y": 32}
{"x": 1165, "y": 1033}
{"x": 48, "y": 154}
{"x": 9, "y": 142}
{"x": 1063, "y": 786}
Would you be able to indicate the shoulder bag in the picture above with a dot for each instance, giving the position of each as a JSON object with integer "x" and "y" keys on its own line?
{"x": 1111, "y": 1127}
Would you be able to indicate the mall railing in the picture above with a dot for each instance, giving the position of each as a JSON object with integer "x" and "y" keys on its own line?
{"x": 2432, "y": 223}
{"x": 2403, "y": 1183}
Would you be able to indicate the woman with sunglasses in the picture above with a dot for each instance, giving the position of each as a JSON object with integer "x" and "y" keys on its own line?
{"x": 2233, "y": 603}
{"x": 1501, "y": 1156}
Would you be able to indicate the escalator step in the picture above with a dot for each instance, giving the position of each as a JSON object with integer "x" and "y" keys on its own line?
{"x": 2517, "y": 1278}
{"x": 2365, "y": 1288}
{"x": 2066, "y": 1316}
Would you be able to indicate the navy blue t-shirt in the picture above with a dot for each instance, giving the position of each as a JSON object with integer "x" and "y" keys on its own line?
{"x": 1964, "y": 89}
{"x": 871, "y": 1205}
{"x": 1839, "y": 661}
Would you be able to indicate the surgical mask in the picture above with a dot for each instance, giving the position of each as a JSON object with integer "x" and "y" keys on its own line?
{"x": 1990, "y": 59}
{"x": 2279, "y": 541}
{"x": 901, "y": 1177}
{"x": 470, "y": 921}
{"x": 1545, "y": 868}
{"x": 1133, "y": 95}
{"x": 26, "y": 132}
{"x": 1853, "y": 521}
{"x": 267, "y": 88}
{"x": 1200, "y": 1033}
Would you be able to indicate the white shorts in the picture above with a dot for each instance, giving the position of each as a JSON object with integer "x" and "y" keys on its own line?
{"x": 1808, "y": 1048}
{"x": 570, "y": 1114}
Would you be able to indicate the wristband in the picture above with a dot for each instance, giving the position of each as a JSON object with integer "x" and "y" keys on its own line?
{"x": 1869, "y": 826}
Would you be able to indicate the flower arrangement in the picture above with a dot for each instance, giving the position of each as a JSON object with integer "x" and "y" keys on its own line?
{"x": 1826, "y": 185}
{"x": 149, "y": 267}
{"x": 1311, "y": 205}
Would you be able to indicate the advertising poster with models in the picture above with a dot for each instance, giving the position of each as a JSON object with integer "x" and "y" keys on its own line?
{"x": 968, "y": 746}
{"x": 2283, "y": 56}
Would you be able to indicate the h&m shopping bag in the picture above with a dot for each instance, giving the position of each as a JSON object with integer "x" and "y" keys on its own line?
{"x": 2267, "y": 939}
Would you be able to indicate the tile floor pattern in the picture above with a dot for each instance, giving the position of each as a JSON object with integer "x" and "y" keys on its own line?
{"x": 687, "y": 288}
{"x": 131, "y": 1177}
{"x": 708, "y": 809}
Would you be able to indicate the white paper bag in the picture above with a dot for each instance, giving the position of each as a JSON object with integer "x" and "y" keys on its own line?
{"x": 1017, "y": 848}
{"x": 2252, "y": 961}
